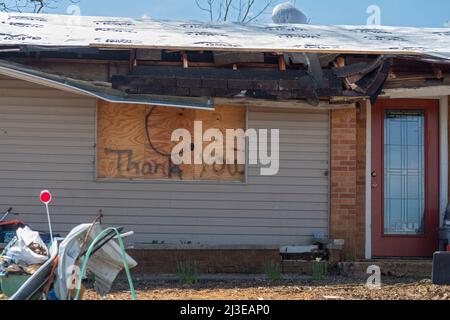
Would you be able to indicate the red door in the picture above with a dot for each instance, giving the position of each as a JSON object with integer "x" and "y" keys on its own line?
{"x": 405, "y": 178}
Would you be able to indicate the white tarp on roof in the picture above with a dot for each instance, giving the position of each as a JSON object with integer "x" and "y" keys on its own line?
{"x": 61, "y": 30}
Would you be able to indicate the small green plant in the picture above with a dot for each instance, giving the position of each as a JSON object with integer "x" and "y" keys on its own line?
{"x": 187, "y": 272}
{"x": 319, "y": 269}
{"x": 273, "y": 271}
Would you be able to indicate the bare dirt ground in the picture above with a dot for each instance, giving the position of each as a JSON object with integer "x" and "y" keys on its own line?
{"x": 336, "y": 288}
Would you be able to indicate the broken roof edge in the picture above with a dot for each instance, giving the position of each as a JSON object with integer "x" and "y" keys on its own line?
{"x": 255, "y": 50}
{"x": 122, "y": 33}
{"x": 88, "y": 89}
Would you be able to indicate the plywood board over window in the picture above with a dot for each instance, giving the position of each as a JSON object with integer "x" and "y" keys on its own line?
{"x": 134, "y": 142}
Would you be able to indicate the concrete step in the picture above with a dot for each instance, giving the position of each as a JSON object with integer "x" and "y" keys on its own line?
{"x": 392, "y": 268}
{"x": 358, "y": 269}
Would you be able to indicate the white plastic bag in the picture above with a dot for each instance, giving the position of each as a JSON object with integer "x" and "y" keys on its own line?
{"x": 21, "y": 252}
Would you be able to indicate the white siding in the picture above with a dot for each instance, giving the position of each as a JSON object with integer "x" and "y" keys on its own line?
{"x": 47, "y": 141}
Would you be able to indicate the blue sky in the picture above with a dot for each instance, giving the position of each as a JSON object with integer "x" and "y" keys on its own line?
{"x": 420, "y": 13}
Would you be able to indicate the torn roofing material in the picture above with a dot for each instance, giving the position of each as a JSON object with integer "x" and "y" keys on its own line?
{"x": 62, "y": 30}
{"x": 97, "y": 90}
{"x": 365, "y": 79}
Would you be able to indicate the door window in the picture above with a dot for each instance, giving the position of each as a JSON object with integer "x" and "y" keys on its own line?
{"x": 404, "y": 172}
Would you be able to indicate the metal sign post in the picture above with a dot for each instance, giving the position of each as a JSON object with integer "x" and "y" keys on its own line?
{"x": 46, "y": 198}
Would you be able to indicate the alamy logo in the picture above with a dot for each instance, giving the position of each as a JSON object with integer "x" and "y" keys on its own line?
{"x": 374, "y": 18}
{"x": 72, "y": 277}
{"x": 374, "y": 280}
{"x": 74, "y": 13}
{"x": 227, "y": 149}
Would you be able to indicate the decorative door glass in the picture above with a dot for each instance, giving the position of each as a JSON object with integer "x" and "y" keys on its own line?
{"x": 404, "y": 172}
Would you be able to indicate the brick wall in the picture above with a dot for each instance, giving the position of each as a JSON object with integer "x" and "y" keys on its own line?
{"x": 347, "y": 217}
{"x": 361, "y": 119}
{"x": 163, "y": 261}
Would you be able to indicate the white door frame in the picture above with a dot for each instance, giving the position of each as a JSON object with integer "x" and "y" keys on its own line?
{"x": 443, "y": 150}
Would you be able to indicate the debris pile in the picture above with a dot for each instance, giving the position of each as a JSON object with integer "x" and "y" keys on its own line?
{"x": 54, "y": 269}
{"x": 24, "y": 255}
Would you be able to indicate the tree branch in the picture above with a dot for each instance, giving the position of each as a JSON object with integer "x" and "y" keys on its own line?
{"x": 35, "y": 6}
{"x": 227, "y": 9}
{"x": 208, "y": 9}
{"x": 38, "y": 6}
{"x": 242, "y": 11}
{"x": 250, "y": 4}
{"x": 269, "y": 3}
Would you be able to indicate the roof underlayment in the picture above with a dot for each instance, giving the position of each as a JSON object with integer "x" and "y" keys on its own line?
{"x": 63, "y": 30}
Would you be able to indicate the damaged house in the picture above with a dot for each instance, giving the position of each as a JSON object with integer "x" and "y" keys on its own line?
{"x": 88, "y": 105}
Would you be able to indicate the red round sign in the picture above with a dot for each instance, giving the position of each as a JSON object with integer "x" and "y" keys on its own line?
{"x": 46, "y": 196}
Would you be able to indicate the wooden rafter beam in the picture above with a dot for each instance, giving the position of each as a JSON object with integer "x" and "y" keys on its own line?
{"x": 184, "y": 59}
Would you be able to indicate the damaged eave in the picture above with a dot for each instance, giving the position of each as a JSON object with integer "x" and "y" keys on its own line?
{"x": 418, "y": 92}
{"x": 98, "y": 90}
{"x": 312, "y": 84}
{"x": 317, "y": 79}
{"x": 287, "y": 104}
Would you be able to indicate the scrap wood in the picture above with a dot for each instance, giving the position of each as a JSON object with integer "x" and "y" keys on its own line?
{"x": 32, "y": 269}
{"x": 14, "y": 269}
{"x": 51, "y": 278}
{"x": 354, "y": 72}
{"x": 98, "y": 218}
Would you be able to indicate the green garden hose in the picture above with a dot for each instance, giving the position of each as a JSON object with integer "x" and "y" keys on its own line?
{"x": 124, "y": 258}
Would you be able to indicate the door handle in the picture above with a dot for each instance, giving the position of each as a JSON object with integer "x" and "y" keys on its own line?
{"x": 374, "y": 183}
